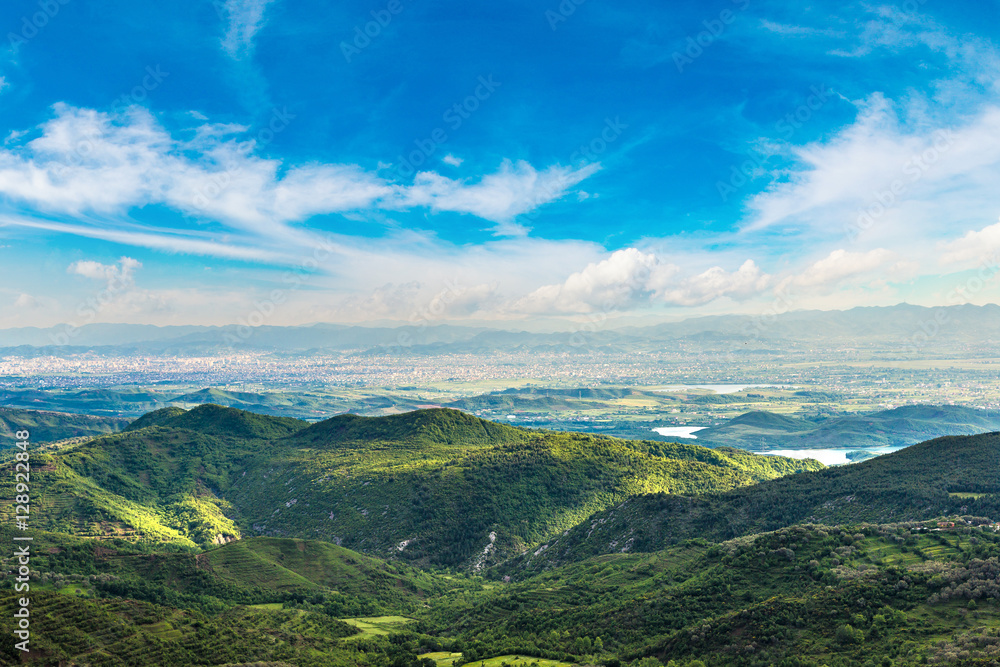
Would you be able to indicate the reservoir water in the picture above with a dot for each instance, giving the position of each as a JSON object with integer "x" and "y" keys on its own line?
{"x": 830, "y": 457}
{"x": 679, "y": 431}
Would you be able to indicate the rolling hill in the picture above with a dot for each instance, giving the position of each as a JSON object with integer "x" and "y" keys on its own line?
{"x": 906, "y": 425}
{"x": 951, "y": 475}
{"x": 50, "y": 426}
{"x": 430, "y": 486}
{"x": 634, "y": 552}
{"x": 108, "y": 603}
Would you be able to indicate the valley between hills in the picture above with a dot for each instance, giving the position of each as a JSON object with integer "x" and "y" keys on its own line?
{"x": 218, "y": 536}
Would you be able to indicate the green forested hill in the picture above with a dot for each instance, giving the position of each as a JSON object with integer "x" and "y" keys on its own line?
{"x": 436, "y": 486}
{"x": 640, "y": 553}
{"x": 50, "y": 426}
{"x": 215, "y": 420}
{"x": 452, "y": 499}
{"x": 107, "y": 603}
{"x": 804, "y": 596}
{"x": 953, "y": 475}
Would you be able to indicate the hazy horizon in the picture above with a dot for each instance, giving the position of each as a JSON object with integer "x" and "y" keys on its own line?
{"x": 212, "y": 163}
{"x": 534, "y": 325}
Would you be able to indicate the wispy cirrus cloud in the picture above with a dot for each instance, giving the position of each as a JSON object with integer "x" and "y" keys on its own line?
{"x": 89, "y": 164}
{"x": 788, "y": 30}
{"x": 904, "y": 164}
{"x": 515, "y": 189}
{"x": 245, "y": 18}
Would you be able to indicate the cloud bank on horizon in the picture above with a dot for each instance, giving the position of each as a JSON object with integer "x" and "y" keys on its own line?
{"x": 383, "y": 161}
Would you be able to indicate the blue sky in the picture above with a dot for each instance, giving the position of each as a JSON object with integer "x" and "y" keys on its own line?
{"x": 289, "y": 161}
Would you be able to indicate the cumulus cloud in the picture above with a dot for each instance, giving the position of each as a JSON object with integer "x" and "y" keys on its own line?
{"x": 616, "y": 282}
{"x": 118, "y": 276}
{"x": 974, "y": 247}
{"x": 716, "y": 282}
{"x": 840, "y": 265}
{"x": 630, "y": 278}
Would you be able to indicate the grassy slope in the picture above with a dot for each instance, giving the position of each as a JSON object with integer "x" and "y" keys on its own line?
{"x": 51, "y": 426}
{"x": 105, "y": 603}
{"x": 911, "y": 484}
{"x": 440, "y": 480}
{"x": 754, "y": 601}
{"x": 443, "y": 481}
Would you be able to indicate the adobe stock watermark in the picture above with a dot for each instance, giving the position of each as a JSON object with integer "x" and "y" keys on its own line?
{"x": 714, "y": 29}
{"x": 913, "y": 170}
{"x": 562, "y": 13}
{"x": 742, "y": 173}
{"x": 22, "y": 546}
{"x": 783, "y": 302}
{"x": 454, "y": 117}
{"x": 220, "y": 181}
{"x": 908, "y": 7}
{"x": 34, "y": 24}
{"x": 119, "y": 281}
{"x": 150, "y": 82}
{"x": 82, "y": 148}
{"x": 585, "y": 154}
{"x": 985, "y": 276}
{"x": 433, "y": 311}
{"x": 364, "y": 33}
{"x": 265, "y": 308}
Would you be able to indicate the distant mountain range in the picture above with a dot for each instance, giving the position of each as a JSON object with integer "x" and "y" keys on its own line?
{"x": 908, "y": 327}
{"x": 752, "y": 431}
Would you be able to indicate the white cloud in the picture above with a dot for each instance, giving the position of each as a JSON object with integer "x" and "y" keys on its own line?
{"x": 787, "y": 30}
{"x": 974, "y": 247}
{"x": 905, "y": 166}
{"x": 838, "y": 266}
{"x": 245, "y": 19}
{"x": 26, "y": 302}
{"x": 630, "y": 278}
{"x": 880, "y": 180}
{"x": 613, "y": 283}
{"x": 716, "y": 282}
{"x": 452, "y": 160}
{"x": 118, "y": 275}
{"x": 172, "y": 241}
{"x": 87, "y": 163}
{"x": 516, "y": 189}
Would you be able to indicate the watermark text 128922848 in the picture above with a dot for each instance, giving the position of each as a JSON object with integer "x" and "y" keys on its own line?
{"x": 22, "y": 549}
